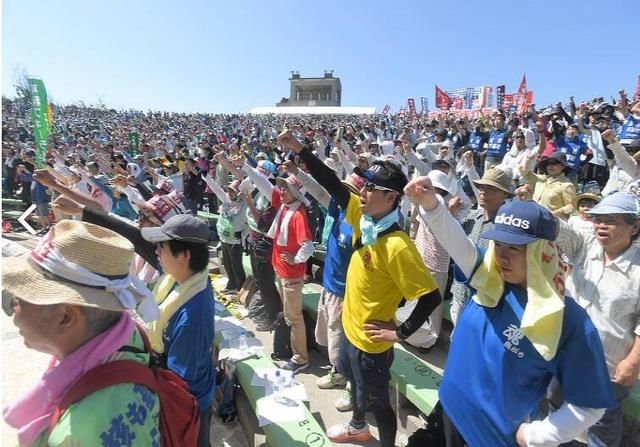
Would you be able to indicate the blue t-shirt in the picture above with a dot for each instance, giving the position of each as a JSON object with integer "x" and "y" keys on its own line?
{"x": 498, "y": 142}
{"x": 573, "y": 149}
{"x": 476, "y": 141}
{"x": 339, "y": 251}
{"x": 39, "y": 193}
{"x": 630, "y": 129}
{"x": 495, "y": 378}
{"x": 188, "y": 340}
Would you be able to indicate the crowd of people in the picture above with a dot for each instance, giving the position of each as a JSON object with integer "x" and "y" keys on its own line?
{"x": 528, "y": 221}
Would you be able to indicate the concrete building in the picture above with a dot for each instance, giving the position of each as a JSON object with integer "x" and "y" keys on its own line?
{"x": 313, "y": 92}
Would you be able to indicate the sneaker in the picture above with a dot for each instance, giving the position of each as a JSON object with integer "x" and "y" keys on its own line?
{"x": 332, "y": 379}
{"x": 348, "y": 433}
{"x": 344, "y": 401}
{"x": 294, "y": 367}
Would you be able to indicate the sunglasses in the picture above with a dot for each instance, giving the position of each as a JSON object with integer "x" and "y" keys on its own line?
{"x": 370, "y": 187}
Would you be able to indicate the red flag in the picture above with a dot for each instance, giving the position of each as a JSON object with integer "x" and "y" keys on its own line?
{"x": 508, "y": 100}
{"x": 443, "y": 101}
{"x": 522, "y": 90}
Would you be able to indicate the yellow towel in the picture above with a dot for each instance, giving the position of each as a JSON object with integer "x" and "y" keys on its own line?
{"x": 543, "y": 313}
{"x": 170, "y": 302}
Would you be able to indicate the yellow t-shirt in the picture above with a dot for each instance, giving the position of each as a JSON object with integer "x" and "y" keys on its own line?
{"x": 379, "y": 276}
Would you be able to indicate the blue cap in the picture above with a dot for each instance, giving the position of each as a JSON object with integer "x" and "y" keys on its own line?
{"x": 618, "y": 203}
{"x": 522, "y": 222}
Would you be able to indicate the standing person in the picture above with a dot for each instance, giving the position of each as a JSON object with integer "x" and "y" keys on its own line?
{"x": 515, "y": 157}
{"x": 437, "y": 261}
{"x": 573, "y": 146}
{"x": 231, "y": 224}
{"x": 292, "y": 247}
{"x": 384, "y": 268}
{"x": 41, "y": 198}
{"x": 519, "y": 328}
{"x": 265, "y": 306}
{"x": 9, "y": 172}
{"x": 193, "y": 185}
{"x": 582, "y": 222}
{"x": 73, "y": 305}
{"x": 498, "y": 142}
{"x": 607, "y": 285}
{"x": 25, "y": 173}
{"x": 554, "y": 190}
{"x": 329, "y": 330}
{"x": 494, "y": 188}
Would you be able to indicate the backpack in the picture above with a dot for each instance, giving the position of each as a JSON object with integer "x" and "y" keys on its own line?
{"x": 281, "y": 339}
{"x": 179, "y": 413}
{"x": 226, "y": 387}
{"x": 282, "y": 336}
{"x": 433, "y": 434}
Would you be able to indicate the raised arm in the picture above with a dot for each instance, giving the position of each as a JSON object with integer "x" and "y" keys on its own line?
{"x": 260, "y": 181}
{"x": 145, "y": 249}
{"x": 321, "y": 172}
{"x": 623, "y": 158}
{"x": 215, "y": 188}
{"x": 310, "y": 184}
{"x": 447, "y": 230}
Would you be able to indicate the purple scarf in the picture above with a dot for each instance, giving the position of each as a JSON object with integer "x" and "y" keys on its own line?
{"x": 30, "y": 415}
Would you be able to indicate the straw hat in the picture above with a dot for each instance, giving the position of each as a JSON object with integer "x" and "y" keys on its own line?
{"x": 97, "y": 249}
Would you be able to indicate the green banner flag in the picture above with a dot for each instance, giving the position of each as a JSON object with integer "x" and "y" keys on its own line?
{"x": 134, "y": 143}
{"x": 39, "y": 106}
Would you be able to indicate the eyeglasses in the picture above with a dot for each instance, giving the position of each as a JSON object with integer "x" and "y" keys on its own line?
{"x": 370, "y": 187}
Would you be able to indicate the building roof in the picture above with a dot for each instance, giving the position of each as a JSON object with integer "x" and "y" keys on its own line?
{"x": 317, "y": 110}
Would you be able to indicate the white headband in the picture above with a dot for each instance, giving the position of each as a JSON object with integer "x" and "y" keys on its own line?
{"x": 126, "y": 289}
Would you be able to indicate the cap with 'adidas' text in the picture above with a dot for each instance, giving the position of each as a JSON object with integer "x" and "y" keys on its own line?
{"x": 522, "y": 222}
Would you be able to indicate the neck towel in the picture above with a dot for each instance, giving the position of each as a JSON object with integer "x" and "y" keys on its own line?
{"x": 171, "y": 300}
{"x": 283, "y": 235}
{"x": 543, "y": 313}
{"x": 31, "y": 414}
{"x": 370, "y": 228}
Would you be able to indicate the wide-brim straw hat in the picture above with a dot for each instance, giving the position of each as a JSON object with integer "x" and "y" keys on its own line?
{"x": 587, "y": 196}
{"x": 95, "y": 248}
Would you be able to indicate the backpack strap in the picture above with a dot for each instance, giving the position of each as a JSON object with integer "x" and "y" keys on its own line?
{"x": 394, "y": 227}
{"x": 103, "y": 376}
{"x": 112, "y": 373}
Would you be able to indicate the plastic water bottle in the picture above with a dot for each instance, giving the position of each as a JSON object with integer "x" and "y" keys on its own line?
{"x": 277, "y": 382}
{"x": 242, "y": 342}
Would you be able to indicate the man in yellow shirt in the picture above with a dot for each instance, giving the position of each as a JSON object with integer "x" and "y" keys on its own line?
{"x": 385, "y": 268}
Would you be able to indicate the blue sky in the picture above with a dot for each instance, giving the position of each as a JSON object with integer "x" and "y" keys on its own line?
{"x": 229, "y": 56}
